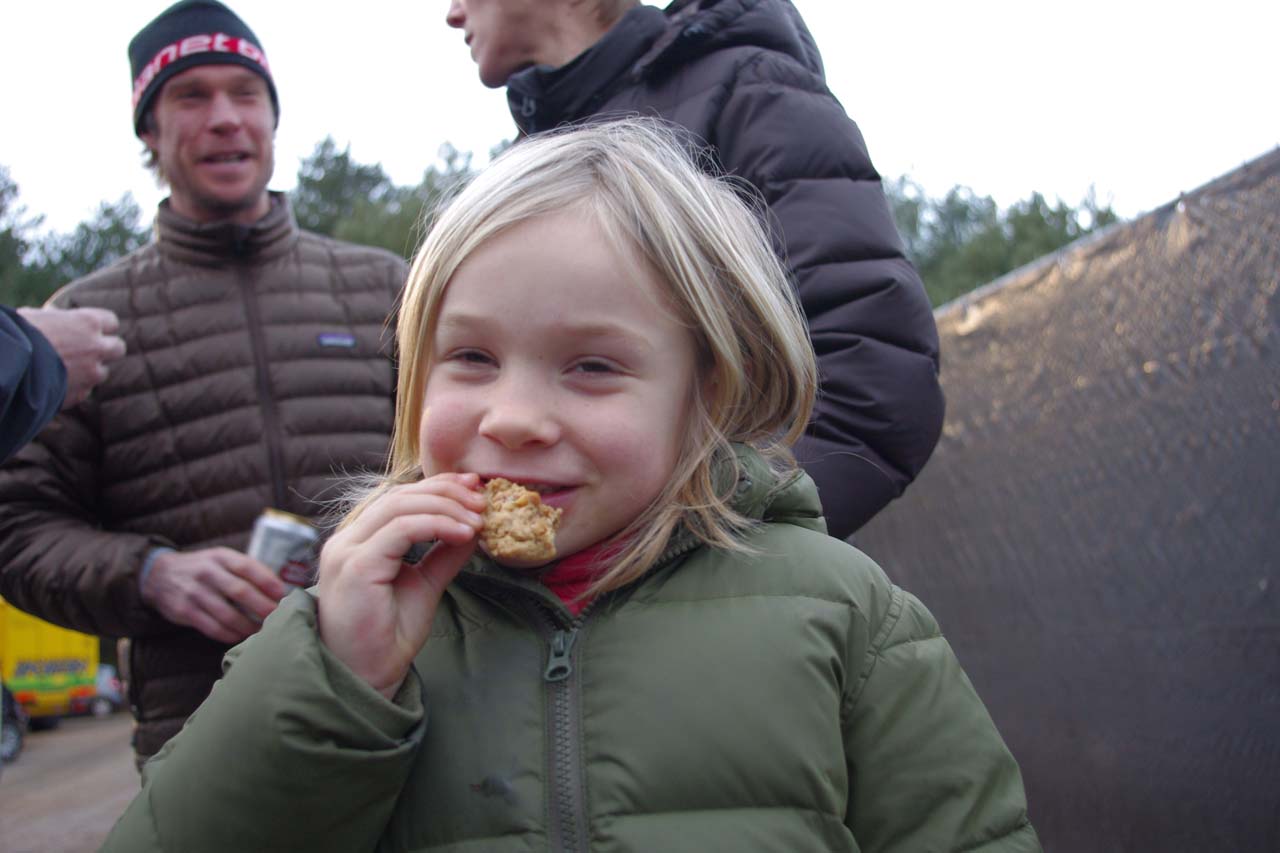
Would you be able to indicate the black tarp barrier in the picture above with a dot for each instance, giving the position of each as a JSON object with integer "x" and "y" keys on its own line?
{"x": 1097, "y": 530}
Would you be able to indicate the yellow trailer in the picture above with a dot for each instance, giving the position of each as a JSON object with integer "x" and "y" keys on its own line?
{"x": 49, "y": 669}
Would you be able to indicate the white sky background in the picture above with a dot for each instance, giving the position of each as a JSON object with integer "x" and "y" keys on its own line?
{"x": 1141, "y": 99}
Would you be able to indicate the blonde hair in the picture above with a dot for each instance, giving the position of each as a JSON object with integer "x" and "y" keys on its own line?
{"x": 723, "y": 280}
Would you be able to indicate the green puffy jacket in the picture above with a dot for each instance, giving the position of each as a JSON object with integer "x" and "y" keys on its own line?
{"x": 793, "y": 700}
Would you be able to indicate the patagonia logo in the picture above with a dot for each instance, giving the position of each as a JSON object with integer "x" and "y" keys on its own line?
{"x": 336, "y": 339}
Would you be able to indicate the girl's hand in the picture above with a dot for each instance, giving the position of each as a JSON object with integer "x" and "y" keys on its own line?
{"x": 375, "y": 611}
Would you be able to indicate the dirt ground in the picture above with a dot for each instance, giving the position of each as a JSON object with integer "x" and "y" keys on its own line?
{"x": 66, "y": 789}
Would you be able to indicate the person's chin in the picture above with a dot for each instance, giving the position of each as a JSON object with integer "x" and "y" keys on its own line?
{"x": 497, "y": 78}
{"x": 232, "y": 204}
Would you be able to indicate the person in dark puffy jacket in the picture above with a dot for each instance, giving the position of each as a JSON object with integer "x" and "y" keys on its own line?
{"x": 694, "y": 665}
{"x": 50, "y": 359}
{"x": 745, "y": 77}
{"x": 258, "y": 369}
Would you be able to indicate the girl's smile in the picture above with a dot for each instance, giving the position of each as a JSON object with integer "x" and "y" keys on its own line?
{"x": 556, "y": 495}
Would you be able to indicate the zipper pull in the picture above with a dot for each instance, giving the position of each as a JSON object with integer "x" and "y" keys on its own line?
{"x": 558, "y": 664}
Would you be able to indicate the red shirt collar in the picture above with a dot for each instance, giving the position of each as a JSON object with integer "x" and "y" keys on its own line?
{"x": 570, "y": 577}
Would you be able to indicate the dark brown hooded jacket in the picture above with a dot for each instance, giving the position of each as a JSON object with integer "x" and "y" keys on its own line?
{"x": 744, "y": 77}
{"x": 259, "y": 369}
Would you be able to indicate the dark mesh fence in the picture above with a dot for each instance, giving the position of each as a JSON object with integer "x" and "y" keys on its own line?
{"x": 1098, "y": 529}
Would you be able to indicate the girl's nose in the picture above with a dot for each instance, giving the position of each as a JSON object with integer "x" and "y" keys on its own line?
{"x": 517, "y": 420}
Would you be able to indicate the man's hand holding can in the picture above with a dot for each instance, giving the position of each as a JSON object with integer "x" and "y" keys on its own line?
{"x": 285, "y": 543}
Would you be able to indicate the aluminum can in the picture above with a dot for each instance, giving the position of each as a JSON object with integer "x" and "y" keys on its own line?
{"x": 286, "y": 543}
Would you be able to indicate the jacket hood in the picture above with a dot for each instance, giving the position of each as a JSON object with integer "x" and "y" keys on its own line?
{"x": 697, "y": 27}
{"x": 647, "y": 42}
{"x": 763, "y": 494}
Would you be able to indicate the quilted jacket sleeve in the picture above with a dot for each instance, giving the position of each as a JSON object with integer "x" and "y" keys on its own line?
{"x": 880, "y": 410}
{"x": 55, "y": 560}
{"x": 291, "y": 751}
{"x": 927, "y": 768}
{"x": 33, "y": 382}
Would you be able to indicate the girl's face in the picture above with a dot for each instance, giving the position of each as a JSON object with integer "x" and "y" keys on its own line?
{"x": 556, "y": 365}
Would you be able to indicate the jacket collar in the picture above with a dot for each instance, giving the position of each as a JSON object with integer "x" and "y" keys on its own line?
{"x": 542, "y": 97}
{"x": 647, "y": 42}
{"x": 218, "y": 243}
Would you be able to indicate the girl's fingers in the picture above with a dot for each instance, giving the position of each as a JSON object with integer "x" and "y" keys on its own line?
{"x": 404, "y": 512}
{"x": 375, "y": 610}
{"x": 440, "y": 567}
{"x": 397, "y": 538}
{"x": 447, "y": 494}
{"x": 379, "y": 559}
{"x": 396, "y": 510}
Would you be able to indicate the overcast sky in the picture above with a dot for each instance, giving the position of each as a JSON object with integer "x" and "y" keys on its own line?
{"x": 1138, "y": 98}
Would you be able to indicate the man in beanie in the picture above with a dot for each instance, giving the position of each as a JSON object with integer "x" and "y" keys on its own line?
{"x": 258, "y": 368}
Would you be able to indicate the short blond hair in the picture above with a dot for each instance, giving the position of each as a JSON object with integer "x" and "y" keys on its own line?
{"x": 637, "y": 179}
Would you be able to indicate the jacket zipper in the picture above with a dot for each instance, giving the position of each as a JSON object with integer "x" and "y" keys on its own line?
{"x": 266, "y": 400}
{"x": 567, "y": 824}
{"x": 567, "y": 804}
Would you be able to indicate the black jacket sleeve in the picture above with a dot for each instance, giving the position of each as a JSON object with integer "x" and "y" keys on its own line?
{"x": 880, "y": 405}
{"x": 33, "y": 382}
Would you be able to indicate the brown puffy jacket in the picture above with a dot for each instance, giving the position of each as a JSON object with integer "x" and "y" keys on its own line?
{"x": 745, "y": 78}
{"x": 258, "y": 370}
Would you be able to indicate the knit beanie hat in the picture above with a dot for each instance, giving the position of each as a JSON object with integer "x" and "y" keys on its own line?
{"x": 187, "y": 34}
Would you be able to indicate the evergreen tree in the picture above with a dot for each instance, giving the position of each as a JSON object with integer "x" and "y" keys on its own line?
{"x": 963, "y": 240}
{"x": 331, "y": 185}
{"x": 958, "y": 242}
{"x": 352, "y": 201}
{"x": 16, "y": 287}
{"x": 115, "y": 230}
{"x": 33, "y": 267}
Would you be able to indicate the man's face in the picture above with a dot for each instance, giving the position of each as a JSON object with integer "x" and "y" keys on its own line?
{"x": 212, "y": 130}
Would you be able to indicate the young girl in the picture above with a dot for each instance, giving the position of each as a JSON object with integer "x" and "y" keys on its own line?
{"x": 701, "y": 669}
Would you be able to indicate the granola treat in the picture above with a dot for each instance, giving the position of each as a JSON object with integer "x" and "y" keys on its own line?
{"x": 517, "y": 525}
